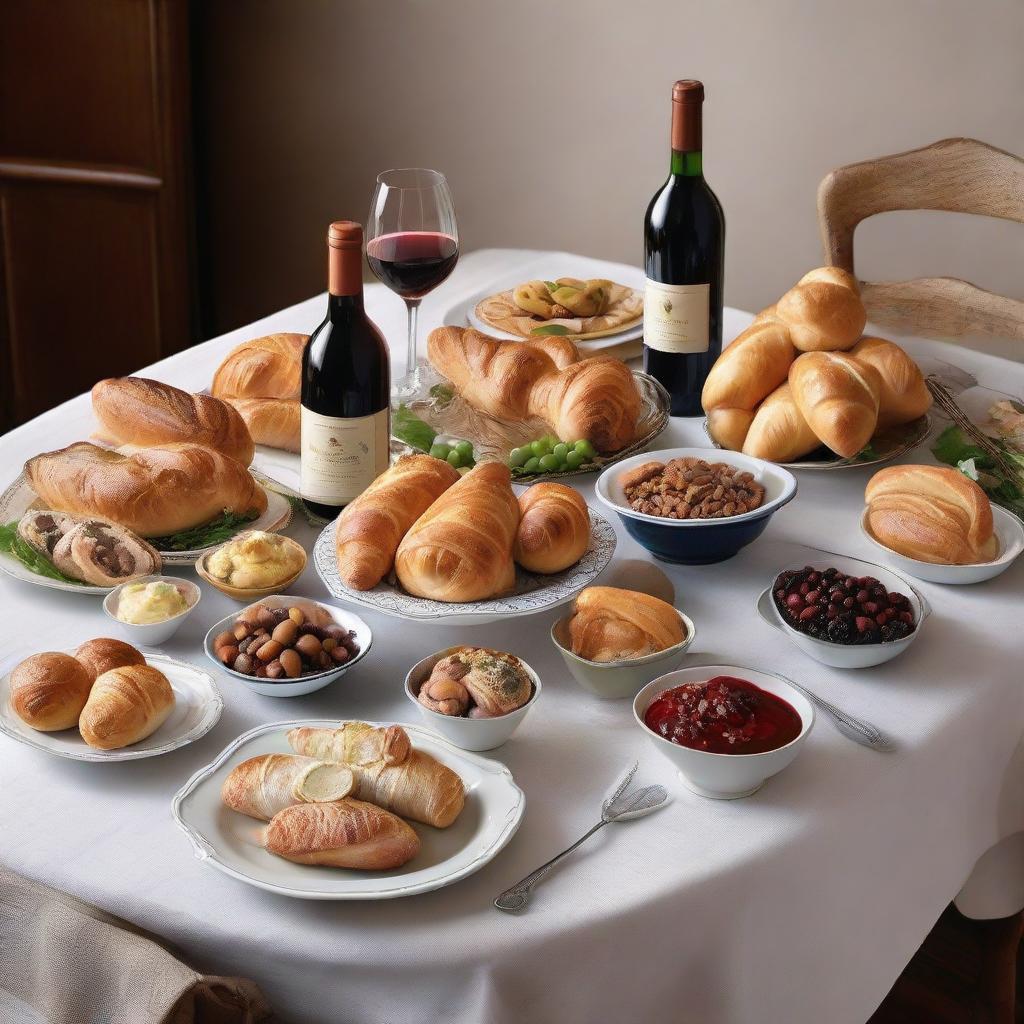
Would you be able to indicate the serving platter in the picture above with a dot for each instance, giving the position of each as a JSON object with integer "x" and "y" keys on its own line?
{"x": 197, "y": 709}
{"x": 533, "y": 593}
{"x": 230, "y": 842}
{"x": 19, "y": 498}
{"x": 885, "y": 446}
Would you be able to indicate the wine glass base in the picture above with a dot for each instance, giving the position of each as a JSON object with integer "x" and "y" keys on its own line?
{"x": 408, "y": 386}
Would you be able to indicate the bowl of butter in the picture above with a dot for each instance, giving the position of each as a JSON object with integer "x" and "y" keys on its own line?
{"x": 252, "y": 565}
{"x": 151, "y": 609}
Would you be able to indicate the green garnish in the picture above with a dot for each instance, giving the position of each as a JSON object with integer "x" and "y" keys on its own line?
{"x": 408, "y": 427}
{"x": 223, "y": 528}
{"x": 557, "y": 329}
{"x": 955, "y": 448}
{"x": 867, "y": 453}
{"x": 442, "y": 394}
{"x": 552, "y": 286}
{"x": 29, "y": 557}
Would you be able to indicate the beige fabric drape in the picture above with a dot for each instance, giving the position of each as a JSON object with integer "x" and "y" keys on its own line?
{"x": 63, "y": 961}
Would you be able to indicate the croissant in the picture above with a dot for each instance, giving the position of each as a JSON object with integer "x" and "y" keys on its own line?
{"x": 125, "y": 705}
{"x": 904, "y": 395}
{"x": 932, "y": 514}
{"x": 267, "y": 367}
{"x": 139, "y": 411}
{"x": 823, "y": 310}
{"x": 345, "y": 834}
{"x": 273, "y": 422}
{"x": 460, "y": 549}
{"x": 593, "y": 399}
{"x": 370, "y": 529}
{"x": 153, "y": 492}
{"x": 554, "y": 528}
{"x": 417, "y": 786}
{"x": 779, "y": 431}
{"x": 838, "y": 397}
{"x": 477, "y": 682}
{"x": 609, "y": 624}
{"x": 262, "y": 786}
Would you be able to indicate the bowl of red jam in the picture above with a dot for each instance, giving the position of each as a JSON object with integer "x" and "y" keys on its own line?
{"x": 726, "y": 729}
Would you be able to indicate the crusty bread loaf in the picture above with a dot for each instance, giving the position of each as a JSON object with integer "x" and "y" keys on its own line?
{"x": 49, "y": 690}
{"x": 125, "y": 706}
{"x": 274, "y": 422}
{"x": 554, "y": 528}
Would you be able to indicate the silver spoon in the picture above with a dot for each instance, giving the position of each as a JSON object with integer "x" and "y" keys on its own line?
{"x": 620, "y": 806}
{"x": 856, "y": 729}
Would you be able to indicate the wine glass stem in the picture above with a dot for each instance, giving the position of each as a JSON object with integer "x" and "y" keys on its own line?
{"x": 413, "y": 306}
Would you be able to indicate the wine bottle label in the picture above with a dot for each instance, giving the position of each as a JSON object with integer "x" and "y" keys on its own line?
{"x": 341, "y": 457}
{"x": 676, "y": 317}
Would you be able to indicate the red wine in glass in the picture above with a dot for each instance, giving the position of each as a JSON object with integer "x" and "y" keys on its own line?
{"x": 412, "y": 263}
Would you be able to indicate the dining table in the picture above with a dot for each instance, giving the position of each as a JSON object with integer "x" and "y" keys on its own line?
{"x": 799, "y": 904}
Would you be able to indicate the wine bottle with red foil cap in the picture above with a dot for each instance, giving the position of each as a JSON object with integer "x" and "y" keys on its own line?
{"x": 684, "y": 252}
{"x": 345, "y": 414}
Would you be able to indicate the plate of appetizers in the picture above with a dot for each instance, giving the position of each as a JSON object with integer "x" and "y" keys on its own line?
{"x": 328, "y": 810}
{"x": 169, "y": 703}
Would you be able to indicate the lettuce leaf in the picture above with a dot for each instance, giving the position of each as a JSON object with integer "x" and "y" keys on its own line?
{"x": 408, "y": 427}
{"x": 13, "y": 545}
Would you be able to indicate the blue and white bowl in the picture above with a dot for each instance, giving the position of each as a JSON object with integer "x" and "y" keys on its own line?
{"x": 698, "y": 541}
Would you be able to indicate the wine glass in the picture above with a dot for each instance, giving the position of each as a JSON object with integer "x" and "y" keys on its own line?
{"x": 412, "y": 245}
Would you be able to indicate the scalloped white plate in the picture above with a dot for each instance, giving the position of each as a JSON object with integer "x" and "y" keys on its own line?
{"x": 197, "y": 709}
{"x": 230, "y": 841}
{"x": 534, "y": 593}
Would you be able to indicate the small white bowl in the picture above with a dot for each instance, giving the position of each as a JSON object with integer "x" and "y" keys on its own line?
{"x": 848, "y": 655}
{"x": 468, "y": 733}
{"x": 151, "y": 634}
{"x": 1009, "y": 532}
{"x": 304, "y": 684}
{"x": 616, "y": 679}
{"x": 724, "y": 776}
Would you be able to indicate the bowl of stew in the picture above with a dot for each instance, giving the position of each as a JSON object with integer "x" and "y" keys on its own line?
{"x": 726, "y": 729}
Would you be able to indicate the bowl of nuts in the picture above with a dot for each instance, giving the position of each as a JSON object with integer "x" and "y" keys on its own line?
{"x": 695, "y": 506}
{"x": 844, "y": 612}
{"x": 288, "y": 646}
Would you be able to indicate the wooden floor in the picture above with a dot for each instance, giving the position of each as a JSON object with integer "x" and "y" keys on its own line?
{"x": 961, "y": 975}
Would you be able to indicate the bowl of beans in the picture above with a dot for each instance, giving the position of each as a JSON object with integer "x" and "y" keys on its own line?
{"x": 287, "y": 646}
{"x": 695, "y": 506}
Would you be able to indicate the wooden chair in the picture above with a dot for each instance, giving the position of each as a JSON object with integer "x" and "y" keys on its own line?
{"x": 960, "y": 175}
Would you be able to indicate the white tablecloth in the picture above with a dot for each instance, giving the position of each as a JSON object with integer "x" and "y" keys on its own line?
{"x": 799, "y": 904}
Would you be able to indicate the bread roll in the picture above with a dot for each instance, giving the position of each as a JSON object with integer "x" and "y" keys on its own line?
{"x": 931, "y": 513}
{"x": 102, "y": 654}
{"x": 609, "y": 624}
{"x": 267, "y": 367}
{"x": 554, "y": 528}
{"x": 345, "y": 834}
{"x": 370, "y": 528}
{"x": 49, "y": 690}
{"x": 153, "y": 492}
{"x": 904, "y": 396}
{"x": 140, "y": 411}
{"x": 262, "y": 786}
{"x": 838, "y": 397}
{"x": 273, "y": 422}
{"x": 823, "y": 311}
{"x": 476, "y": 682}
{"x": 125, "y": 705}
{"x": 779, "y": 432}
{"x": 460, "y": 549}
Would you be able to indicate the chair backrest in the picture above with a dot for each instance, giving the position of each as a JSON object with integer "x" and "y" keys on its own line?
{"x": 960, "y": 175}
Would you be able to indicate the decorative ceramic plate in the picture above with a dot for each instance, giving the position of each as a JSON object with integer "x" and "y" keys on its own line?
{"x": 197, "y": 708}
{"x": 885, "y": 446}
{"x": 230, "y": 841}
{"x": 533, "y": 593}
{"x": 19, "y": 498}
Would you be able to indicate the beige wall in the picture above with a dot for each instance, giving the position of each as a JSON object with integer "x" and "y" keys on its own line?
{"x": 551, "y": 121}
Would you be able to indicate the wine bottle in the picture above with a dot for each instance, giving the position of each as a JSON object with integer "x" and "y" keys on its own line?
{"x": 684, "y": 249}
{"x": 345, "y": 414}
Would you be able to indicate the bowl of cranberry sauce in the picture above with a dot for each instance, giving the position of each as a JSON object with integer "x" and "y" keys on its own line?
{"x": 844, "y": 612}
{"x": 726, "y": 729}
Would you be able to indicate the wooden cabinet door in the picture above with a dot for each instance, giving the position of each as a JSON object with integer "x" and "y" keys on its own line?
{"x": 95, "y": 203}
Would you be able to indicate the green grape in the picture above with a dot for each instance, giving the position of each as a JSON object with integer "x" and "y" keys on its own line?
{"x": 454, "y": 458}
{"x": 550, "y": 440}
{"x": 531, "y": 465}
{"x": 575, "y": 459}
{"x": 465, "y": 449}
{"x": 440, "y": 451}
{"x": 585, "y": 448}
{"x": 548, "y": 463}
{"x": 539, "y": 447}
{"x": 518, "y": 456}
{"x": 560, "y": 451}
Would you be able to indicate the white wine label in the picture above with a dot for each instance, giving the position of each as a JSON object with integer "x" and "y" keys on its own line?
{"x": 342, "y": 457}
{"x": 676, "y": 317}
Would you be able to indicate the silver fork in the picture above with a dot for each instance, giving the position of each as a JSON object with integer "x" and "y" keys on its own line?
{"x": 620, "y": 806}
{"x": 858, "y": 730}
